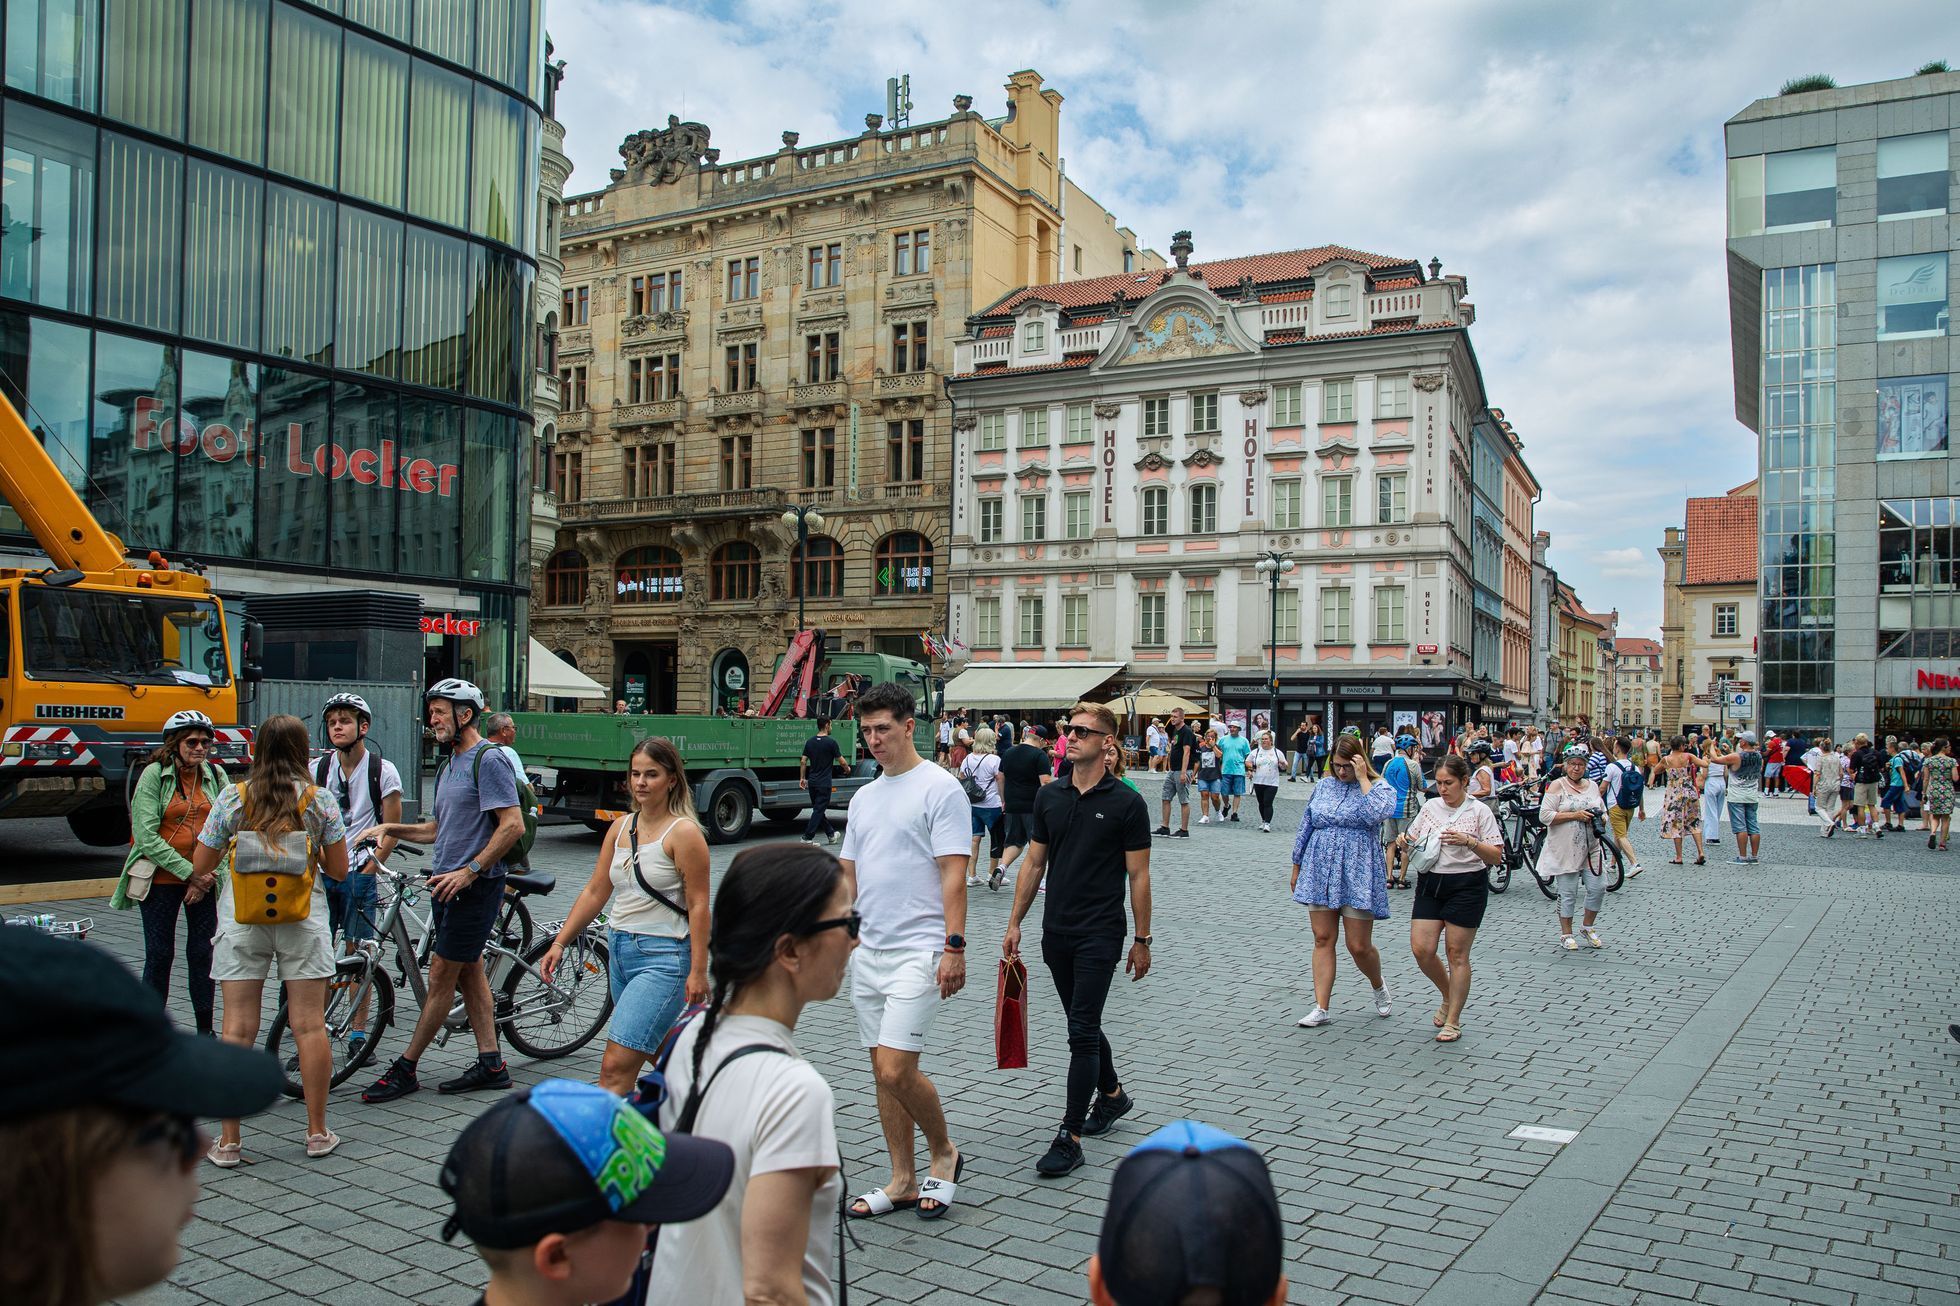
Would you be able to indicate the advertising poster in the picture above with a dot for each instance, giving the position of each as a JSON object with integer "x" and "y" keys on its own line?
{"x": 1229, "y": 715}
{"x": 1435, "y": 729}
{"x": 1912, "y": 415}
{"x": 1405, "y": 723}
{"x": 1261, "y": 720}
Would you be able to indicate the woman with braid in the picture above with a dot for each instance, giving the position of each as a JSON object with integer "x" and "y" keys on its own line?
{"x": 784, "y": 928}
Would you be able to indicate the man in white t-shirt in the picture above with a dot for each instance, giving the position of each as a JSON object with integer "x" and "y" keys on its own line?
{"x": 943, "y": 749}
{"x": 356, "y": 775}
{"x": 906, "y": 851}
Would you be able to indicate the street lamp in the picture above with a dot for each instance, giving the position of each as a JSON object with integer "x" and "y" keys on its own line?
{"x": 805, "y": 517}
{"x": 1272, "y": 565}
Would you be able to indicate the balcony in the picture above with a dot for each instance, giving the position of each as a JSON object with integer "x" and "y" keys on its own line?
{"x": 741, "y": 401}
{"x": 993, "y": 351}
{"x": 579, "y": 419}
{"x": 544, "y": 391}
{"x": 907, "y": 385}
{"x": 665, "y": 411}
{"x": 819, "y": 394}
{"x": 707, "y": 504}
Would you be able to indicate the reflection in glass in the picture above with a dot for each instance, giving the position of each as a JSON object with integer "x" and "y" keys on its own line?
{"x": 500, "y": 39}
{"x": 437, "y": 270}
{"x": 47, "y": 209}
{"x": 223, "y": 245}
{"x": 389, "y": 17}
{"x": 369, "y": 338}
{"x": 496, "y": 210}
{"x": 134, "y": 440}
{"x": 299, "y": 315}
{"x": 228, "y": 93}
{"x": 51, "y": 50}
{"x": 142, "y": 211}
{"x": 292, "y": 498}
{"x": 366, "y": 496}
{"x": 438, "y": 145}
{"x": 374, "y": 121}
{"x": 495, "y": 315}
{"x": 429, "y": 524}
{"x": 143, "y": 63}
{"x": 51, "y": 361}
{"x": 305, "y": 95}
{"x": 489, "y": 496}
{"x": 446, "y": 28}
{"x": 216, "y": 482}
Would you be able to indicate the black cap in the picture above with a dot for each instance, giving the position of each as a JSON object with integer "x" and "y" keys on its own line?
{"x": 77, "y": 1029}
{"x": 1191, "y": 1207}
{"x": 563, "y": 1156}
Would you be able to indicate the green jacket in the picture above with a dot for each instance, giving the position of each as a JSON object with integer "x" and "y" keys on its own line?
{"x": 154, "y": 790}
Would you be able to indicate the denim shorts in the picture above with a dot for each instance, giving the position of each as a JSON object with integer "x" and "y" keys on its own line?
{"x": 351, "y": 907}
{"x": 984, "y": 820}
{"x": 648, "y": 977}
{"x": 1231, "y": 786}
{"x": 1743, "y": 820}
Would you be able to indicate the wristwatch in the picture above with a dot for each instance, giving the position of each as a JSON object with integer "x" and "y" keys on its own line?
{"x": 956, "y": 943}
{"x": 1144, "y": 939}
{"x": 474, "y": 869}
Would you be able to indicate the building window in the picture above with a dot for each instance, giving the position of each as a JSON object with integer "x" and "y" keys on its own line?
{"x": 1391, "y": 498}
{"x": 1078, "y": 429}
{"x": 1912, "y": 296}
{"x": 577, "y": 310}
{"x": 1077, "y": 520}
{"x": 1156, "y": 510}
{"x": 1337, "y": 615}
{"x": 1034, "y": 517}
{"x": 1912, "y": 416}
{"x": 564, "y": 579}
{"x": 1204, "y": 414}
{"x": 1157, "y": 416}
{"x": 822, "y": 356}
{"x": 1337, "y": 401}
{"x": 1204, "y": 510}
{"x": 1075, "y": 621}
{"x": 903, "y": 565}
{"x": 1391, "y": 615}
{"x": 993, "y": 431}
{"x": 1286, "y": 615}
{"x": 1912, "y": 176}
{"x": 571, "y": 387}
{"x": 1034, "y": 337}
{"x": 1030, "y": 634}
{"x": 909, "y": 347}
{"x": 1726, "y": 615}
{"x": 1337, "y": 501}
{"x": 1286, "y": 405}
{"x": 650, "y": 470}
{"x": 652, "y": 378}
{"x": 1200, "y": 614}
{"x": 647, "y": 575}
{"x": 741, "y": 367}
{"x": 1286, "y": 505}
{"x": 1795, "y": 190}
{"x": 737, "y": 462}
{"x": 1340, "y": 299}
{"x": 1151, "y": 632}
{"x": 1391, "y": 396}
{"x": 986, "y": 623}
{"x": 1034, "y": 428}
{"x": 912, "y": 253}
{"x": 819, "y": 457}
{"x": 568, "y": 474}
{"x": 905, "y": 450}
{"x": 817, "y": 569}
{"x": 826, "y": 266}
{"x": 991, "y": 511}
{"x": 734, "y": 572}
{"x": 658, "y": 293}
{"x": 744, "y": 278}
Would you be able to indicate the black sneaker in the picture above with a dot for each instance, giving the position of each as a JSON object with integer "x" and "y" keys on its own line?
{"x": 477, "y": 1077}
{"x": 1235, "y": 816}
{"x": 1106, "y": 1112}
{"x": 398, "y": 1081}
{"x": 1162, "y": 829}
{"x": 1063, "y": 1155}
{"x": 1181, "y": 834}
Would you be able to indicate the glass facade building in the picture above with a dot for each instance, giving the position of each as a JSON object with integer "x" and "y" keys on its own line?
{"x": 266, "y": 283}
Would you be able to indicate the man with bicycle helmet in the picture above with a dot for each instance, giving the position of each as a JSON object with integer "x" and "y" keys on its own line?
{"x": 475, "y": 821}
{"x": 369, "y": 790}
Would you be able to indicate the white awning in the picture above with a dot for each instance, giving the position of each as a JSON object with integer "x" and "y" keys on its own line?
{"x": 1027, "y": 684}
{"x": 553, "y": 677}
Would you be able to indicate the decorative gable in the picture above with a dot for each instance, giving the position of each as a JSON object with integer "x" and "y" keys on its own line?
{"x": 1178, "y": 332}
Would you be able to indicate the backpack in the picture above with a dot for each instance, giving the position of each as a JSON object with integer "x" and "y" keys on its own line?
{"x": 272, "y": 875}
{"x": 527, "y": 800}
{"x": 373, "y": 778}
{"x": 1633, "y": 787}
{"x": 976, "y": 792}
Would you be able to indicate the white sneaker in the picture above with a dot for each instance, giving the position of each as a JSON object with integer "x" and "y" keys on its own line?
{"x": 1592, "y": 937}
{"x": 1205, "y": 819}
{"x": 1266, "y": 828}
{"x": 1637, "y": 870}
{"x": 834, "y": 836}
{"x": 1318, "y": 1016}
{"x": 1381, "y": 1002}
{"x": 1569, "y": 943}
{"x": 972, "y": 881}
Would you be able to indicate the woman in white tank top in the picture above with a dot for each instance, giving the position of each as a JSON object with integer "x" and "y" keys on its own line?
{"x": 653, "y": 870}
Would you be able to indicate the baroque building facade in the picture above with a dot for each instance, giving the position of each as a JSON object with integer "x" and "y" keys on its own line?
{"x": 741, "y": 342}
{"x": 554, "y": 168}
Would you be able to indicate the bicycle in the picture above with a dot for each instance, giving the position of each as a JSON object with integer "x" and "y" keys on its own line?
{"x": 1523, "y": 835}
{"x": 542, "y": 1020}
{"x": 1603, "y": 857}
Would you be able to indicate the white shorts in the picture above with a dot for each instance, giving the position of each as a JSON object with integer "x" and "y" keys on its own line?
{"x": 896, "y": 994}
{"x": 300, "y": 951}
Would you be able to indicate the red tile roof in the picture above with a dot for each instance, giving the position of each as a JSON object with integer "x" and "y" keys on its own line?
{"x": 1397, "y": 283}
{"x": 1221, "y": 275}
{"x": 996, "y": 332}
{"x": 1721, "y": 541}
{"x": 1637, "y": 648}
{"x": 1293, "y": 337}
{"x": 1379, "y": 329}
{"x": 1287, "y": 297}
{"x": 1094, "y": 319}
{"x": 997, "y": 369}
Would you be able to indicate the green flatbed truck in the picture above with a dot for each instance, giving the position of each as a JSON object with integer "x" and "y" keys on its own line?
{"x": 738, "y": 766}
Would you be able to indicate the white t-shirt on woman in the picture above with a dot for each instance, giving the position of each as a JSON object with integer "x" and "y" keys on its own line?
{"x": 1265, "y": 764}
{"x": 1471, "y": 817}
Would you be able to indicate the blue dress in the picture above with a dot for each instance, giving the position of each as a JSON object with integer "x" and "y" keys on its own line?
{"x": 1339, "y": 847}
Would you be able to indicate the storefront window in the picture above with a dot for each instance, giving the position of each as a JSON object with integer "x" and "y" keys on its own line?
{"x": 430, "y": 524}
{"x": 143, "y": 64}
{"x": 1918, "y": 553}
{"x": 137, "y": 241}
{"x": 1912, "y": 417}
{"x": 432, "y": 316}
{"x": 299, "y": 249}
{"x": 52, "y": 50}
{"x": 370, "y": 302}
{"x": 438, "y": 145}
{"x": 50, "y": 361}
{"x": 228, "y": 93}
{"x": 133, "y": 468}
{"x": 217, "y": 477}
{"x": 374, "y": 121}
{"x": 305, "y": 95}
{"x": 487, "y": 655}
{"x": 292, "y": 499}
{"x": 223, "y": 247}
{"x": 48, "y": 190}
{"x": 489, "y": 484}
{"x": 366, "y": 494}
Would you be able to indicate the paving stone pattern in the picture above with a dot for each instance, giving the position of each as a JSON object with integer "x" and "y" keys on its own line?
{"x": 1756, "y": 1065}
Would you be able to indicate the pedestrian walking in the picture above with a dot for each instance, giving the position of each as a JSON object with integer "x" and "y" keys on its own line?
{"x": 1023, "y": 771}
{"x": 905, "y": 852}
{"x": 1451, "y": 895}
{"x": 816, "y": 774}
{"x": 1265, "y": 764}
{"x": 1827, "y": 787}
{"x": 1680, "y": 804}
{"x": 1058, "y": 755}
{"x": 476, "y": 824}
{"x": 1210, "y": 768}
{"x": 368, "y": 790}
{"x": 1180, "y": 769}
{"x": 1155, "y": 741}
{"x": 652, "y": 872}
{"x": 980, "y": 778}
{"x": 1570, "y": 810}
{"x": 1533, "y": 750}
{"x": 1232, "y": 752}
{"x": 1937, "y": 775}
{"x": 1301, "y": 748}
{"x": 1381, "y": 749}
{"x": 173, "y": 798}
{"x": 1714, "y": 792}
{"x": 1340, "y": 873}
{"x": 1625, "y": 793}
{"x": 1774, "y": 751}
{"x": 274, "y": 825}
{"x": 943, "y": 740}
{"x": 784, "y": 932}
{"x": 1405, "y": 773}
{"x": 1867, "y": 777}
{"x": 1483, "y": 780}
{"x": 1091, "y": 839}
{"x": 1892, "y": 794}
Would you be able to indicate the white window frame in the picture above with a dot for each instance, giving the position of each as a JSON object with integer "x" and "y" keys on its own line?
{"x": 986, "y": 623}
{"x": 1391, "y": 498}
{"x": 1204, "y": 413}
{"x": 1078, "y": 515}
{"x": 1030, "y": 622}
{"x": 1729, "y": 614}
{"x": 1161, "y": 517}
{"x": 1034, "y": 337}
{"x": 1151, "y": 631}
{"x": 1337, "y": 502}
{"x": 1286, "y": 614}
{"x": 992, "y": 519}
{"x": 1288, "y": 505}
{"x": 1200, "y": 618}
{"x": 1337, "y": 615}
{"x": 1286, "y": 405}
{"x": 1203, "y": 519}
{"x": 1392, "y": 399}
{"x": 1034, "y": 428}
{"x": 1337, "y": 400}
{"x": 1034, "y": 517}
{"x": 1391, "y": 616}
{"x": 1157, "y": 415}
{"x": 1075, "y": 621}
{"x": 1079, "y": 426}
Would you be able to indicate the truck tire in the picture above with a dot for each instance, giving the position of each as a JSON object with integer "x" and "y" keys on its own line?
{"x": 597, "y": 827}
{"x": 730, "y": 812}
{"x": 101, "y": 827}
{"x": 781, "y": 815}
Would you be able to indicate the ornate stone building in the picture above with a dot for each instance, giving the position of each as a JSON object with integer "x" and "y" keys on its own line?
{"x": 554, "y": 167}
{"x": 739, "y": 342}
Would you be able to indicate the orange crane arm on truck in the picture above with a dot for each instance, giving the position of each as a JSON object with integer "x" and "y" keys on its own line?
{"x": 61, "y": 523}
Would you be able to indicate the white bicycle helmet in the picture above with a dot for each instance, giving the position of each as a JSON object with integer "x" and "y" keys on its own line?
{"x": 354, "y": 701}
{"x": 456, "y": 691}
{"x": 189, "y": 719}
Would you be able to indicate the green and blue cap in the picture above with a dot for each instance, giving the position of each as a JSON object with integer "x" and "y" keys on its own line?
{"x": 1191, "y": 1208}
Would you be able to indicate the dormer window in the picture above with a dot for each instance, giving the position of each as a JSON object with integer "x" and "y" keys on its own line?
{"x": 1340, "y": 299}
{"x": 1034, "y": 337}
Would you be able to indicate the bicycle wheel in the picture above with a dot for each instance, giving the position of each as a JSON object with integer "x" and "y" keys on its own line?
{"x": 1607, "y": 860}
{"x": 514, "y": 925}
{"x": 344, "y": 993}
{"x": 1534, "y": 845}
{"x": 545, "y": 1021}
{"x": 1498, "y": 876}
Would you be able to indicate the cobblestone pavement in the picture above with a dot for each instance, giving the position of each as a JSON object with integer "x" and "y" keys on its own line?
{"x": 1756, "y": 1066}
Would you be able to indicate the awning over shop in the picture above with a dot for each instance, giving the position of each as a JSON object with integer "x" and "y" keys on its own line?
{"x": 1043, "y": 684}
{"x": 553, "y": 677}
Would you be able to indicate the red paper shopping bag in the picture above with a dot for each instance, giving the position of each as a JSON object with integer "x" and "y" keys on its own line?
{"x": 1011, "y": 1016}
{"x": 1797, "y": 776}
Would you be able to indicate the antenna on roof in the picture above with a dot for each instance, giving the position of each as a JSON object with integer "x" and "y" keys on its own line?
{"x": 898, "y": 100}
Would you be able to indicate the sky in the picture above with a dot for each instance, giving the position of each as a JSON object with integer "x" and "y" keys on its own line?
{"x": 1565, "y": 157}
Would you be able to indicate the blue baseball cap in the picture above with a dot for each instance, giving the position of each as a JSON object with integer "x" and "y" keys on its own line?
{"x": 564, "y": 1156}
{"x": 1191, "y": 1207}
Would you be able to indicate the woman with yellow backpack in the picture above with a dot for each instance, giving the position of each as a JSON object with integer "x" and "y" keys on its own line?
{"x": 260, "y": 851}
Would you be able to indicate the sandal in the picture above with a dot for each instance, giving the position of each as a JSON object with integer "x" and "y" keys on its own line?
{"x": 878, "y": 1202}
{"x": 1437, "y": 1020}
{"x": 1674, "y": 861}
{"x": 319, "y": 1145}
{"x": 1701, "y": 861}
{"x": 225, "y": 1155}
{"x": 940, "y": 1191}
{"x": 1449, "y": 1034}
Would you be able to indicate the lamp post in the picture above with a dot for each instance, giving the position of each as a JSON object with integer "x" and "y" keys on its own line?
{"x": 1273, "y": 564}
{"x": 804, "y": 517}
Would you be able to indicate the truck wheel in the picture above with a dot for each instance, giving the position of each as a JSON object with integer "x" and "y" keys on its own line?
{"x": 781, "y": 815}
{"x": 729, "y": 812}
{"x": 101, "y": 827}
{"x": 597, "y": 827}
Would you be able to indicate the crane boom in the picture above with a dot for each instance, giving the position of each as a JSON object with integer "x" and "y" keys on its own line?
{"x": 36, "y": 489}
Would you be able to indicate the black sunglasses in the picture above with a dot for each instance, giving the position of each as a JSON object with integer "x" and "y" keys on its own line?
{"x": 1084, "y": 732}
{"x": 178, "y": 1133}
{"x": 197, "y": 741}
{"x": 849, "y": 924}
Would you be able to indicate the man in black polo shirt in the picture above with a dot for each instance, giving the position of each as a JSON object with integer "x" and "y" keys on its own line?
{"x": 1024, "y": 768}
{"x": 817, "y": 772}
{"x": 1180, "y": 767}
{"x": 1090, "y": 835}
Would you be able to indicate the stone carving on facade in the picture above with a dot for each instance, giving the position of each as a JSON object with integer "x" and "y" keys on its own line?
{"x": 822, "y": 303}
{"x": 965, "y": 422}
{"x": 1203, "y": 458}
{"x": 670, "y": 322}
{"x": 1248, "y": 292}
{"x": 1107, "y": 410}
{"x": 1429, "y": 381}
{"x": 1252, "y": 398}
{"x": 952, "y": 191}
{"x": 1153, "y": 462}
{"x": 962, "y": 104}
{"x": 1032, "y": 472}
{"x": 741, "y": 315}
{"x": 1179, "y": 333}
{"x": 659, "y": 156}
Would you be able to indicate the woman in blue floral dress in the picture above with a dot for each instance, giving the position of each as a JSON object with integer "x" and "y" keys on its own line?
{"x": 1339, "y": 871}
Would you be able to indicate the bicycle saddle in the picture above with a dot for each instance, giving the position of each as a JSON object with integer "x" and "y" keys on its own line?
{"x": 526, "y": 884}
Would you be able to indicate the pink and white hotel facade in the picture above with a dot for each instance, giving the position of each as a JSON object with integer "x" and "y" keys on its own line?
{"x": 1129, "y": 447}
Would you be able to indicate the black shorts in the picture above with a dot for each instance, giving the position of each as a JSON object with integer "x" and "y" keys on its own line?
{"x": 1457, "y": 899}
{"x": 1014, "y": 829}
{"x": 463, "y": 924}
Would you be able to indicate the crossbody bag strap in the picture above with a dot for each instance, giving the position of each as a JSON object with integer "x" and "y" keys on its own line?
{"x": 633, "y": 860}
{"x": 684, "y": 1122}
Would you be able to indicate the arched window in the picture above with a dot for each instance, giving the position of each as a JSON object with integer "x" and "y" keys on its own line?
{"x": 819, "y": 570}
{"x": 564, "y": 579}
{"x": 647, "y": 575}
{"x": 903, "y": 566}
{"x": 734, "y": 571}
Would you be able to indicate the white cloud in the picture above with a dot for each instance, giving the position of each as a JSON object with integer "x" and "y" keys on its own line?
{"x": 1566, "y": 158}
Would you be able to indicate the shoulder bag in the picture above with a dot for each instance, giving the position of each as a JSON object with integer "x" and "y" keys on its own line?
{"x": 633, "y": 860}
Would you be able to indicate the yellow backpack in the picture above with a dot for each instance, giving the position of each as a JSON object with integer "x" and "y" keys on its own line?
{"x": 272, "y": 874}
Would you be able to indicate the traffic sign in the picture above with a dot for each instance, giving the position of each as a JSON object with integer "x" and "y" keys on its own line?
{"x": 1719, "y": 685}
{"x": 1737, "y": 700}
{"x": 1707, "y": 700}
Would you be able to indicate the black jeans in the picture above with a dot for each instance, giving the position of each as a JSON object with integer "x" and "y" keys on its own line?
{"x": 1083, "y": 966}
{"x": 1265, "y": 794}
{"x": 159, "y": 911}
{"x": 819, "y": 812}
